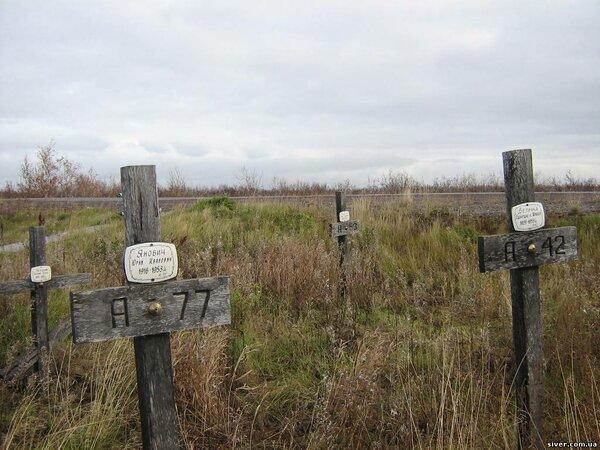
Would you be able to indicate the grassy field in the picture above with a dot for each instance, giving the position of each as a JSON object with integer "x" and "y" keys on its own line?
{"x": 418, "y": 356}
{"x": 14, "y": 226}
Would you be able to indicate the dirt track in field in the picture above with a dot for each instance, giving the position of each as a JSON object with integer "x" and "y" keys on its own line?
{"x": 18, "y": 246}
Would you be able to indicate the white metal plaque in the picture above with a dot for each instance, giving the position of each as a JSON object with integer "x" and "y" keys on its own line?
{"x": 150, "y": 262}
{"x": 41, "y": 274}
{"x": 344, "y": 216}
{"x": 528, "y": 216}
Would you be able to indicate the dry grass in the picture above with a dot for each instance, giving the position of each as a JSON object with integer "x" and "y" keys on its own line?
{"x": 422, "y": 358}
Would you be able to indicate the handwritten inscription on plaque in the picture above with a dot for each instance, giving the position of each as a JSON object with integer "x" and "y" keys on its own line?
{"x": 528, "y": 216}
{"x": 150, "y": 262}
{"x": 41, "y": 274}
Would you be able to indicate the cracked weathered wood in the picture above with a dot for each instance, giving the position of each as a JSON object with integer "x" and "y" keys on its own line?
{"x": 22, "y": 364}
{"x": 39, "y": 294}
{"x": 63, "y": 281}
{"x": 527, "y": 322}
{"x": 340, "y": 232}
{"x": 160, "y": 427}
{"x": 57, "y": 282}
{"x": 120, "y": 312}
{"x": 16, "y": 287}
{"x": 513, "y": 251}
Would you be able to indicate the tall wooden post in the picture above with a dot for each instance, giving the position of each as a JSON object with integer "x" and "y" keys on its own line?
{"x": 160, "y": 428}
{"x": 340, "y": 205}
{"x": 150, "y": 307}
{"x": 525, "y": 294}
{"x": 39, "y": 295}
{"x": 527, "y": 246}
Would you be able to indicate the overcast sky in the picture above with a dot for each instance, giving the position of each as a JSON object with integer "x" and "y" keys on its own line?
{"x": 319, "y": 91}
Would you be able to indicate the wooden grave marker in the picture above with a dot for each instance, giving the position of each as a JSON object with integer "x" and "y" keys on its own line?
{"x": 523, "y": 252}
{"x": 340, "y": 230}
{"x": 149, "y": 311}
{"x": 39, "y": 282}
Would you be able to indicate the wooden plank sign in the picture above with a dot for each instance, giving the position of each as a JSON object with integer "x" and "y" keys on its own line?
{"x": 141, "y": 310}
{"x": 150, "y": 262}
{"x": 344, "y": 228}
{"x": 527, "y": 249}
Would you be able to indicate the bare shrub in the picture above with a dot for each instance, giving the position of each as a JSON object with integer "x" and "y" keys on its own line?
{"x": 469, "y": 182}
{"x": 569, "y": 182}
{"x": 280, "y": 186}
{"x": 176, "y": 185}
{"x": 44, "y": 179}
{"x": 397, "y": 182}
{"x": 56, "y": 176}
{"x": 8, "y": 191}
{"x": 250, "y": 180}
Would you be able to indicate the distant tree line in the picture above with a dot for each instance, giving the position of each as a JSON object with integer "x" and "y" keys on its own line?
{"x": 52, "y": 175}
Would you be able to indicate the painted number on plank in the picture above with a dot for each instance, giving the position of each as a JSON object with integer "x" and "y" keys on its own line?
{"x": 119, "y": 309}
{"x": 553, "y": 245}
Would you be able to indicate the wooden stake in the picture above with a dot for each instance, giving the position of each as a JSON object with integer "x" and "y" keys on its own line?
{"x": 160, "y": 428}
{"x": 39, "y": 295}
{"x": 527, "y": 326}
{"x": 340, "y": 205}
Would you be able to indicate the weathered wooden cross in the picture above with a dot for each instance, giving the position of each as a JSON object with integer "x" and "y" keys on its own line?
{"x": 526, "y": 247}
{"x": 340, "y": 230}
{"x": 39, "y": 282}
{"x": 149, "y": 307}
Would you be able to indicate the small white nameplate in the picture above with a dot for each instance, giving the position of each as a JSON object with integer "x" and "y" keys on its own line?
{"x": 344, "y": 216}
{"x": 150, "y": 262}
{"x": 528, "y": 216}
{"x": 40, "y": 274}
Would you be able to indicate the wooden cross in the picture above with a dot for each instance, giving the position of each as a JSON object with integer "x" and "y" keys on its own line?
{"x": 340, "y": 230}
{"x": 149, "y": 312}
{"x": 522, "y": 252}
{"x": 39, "y": 304}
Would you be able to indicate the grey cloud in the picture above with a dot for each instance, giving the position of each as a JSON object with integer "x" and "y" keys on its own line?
{"x": 336, "y": 90}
